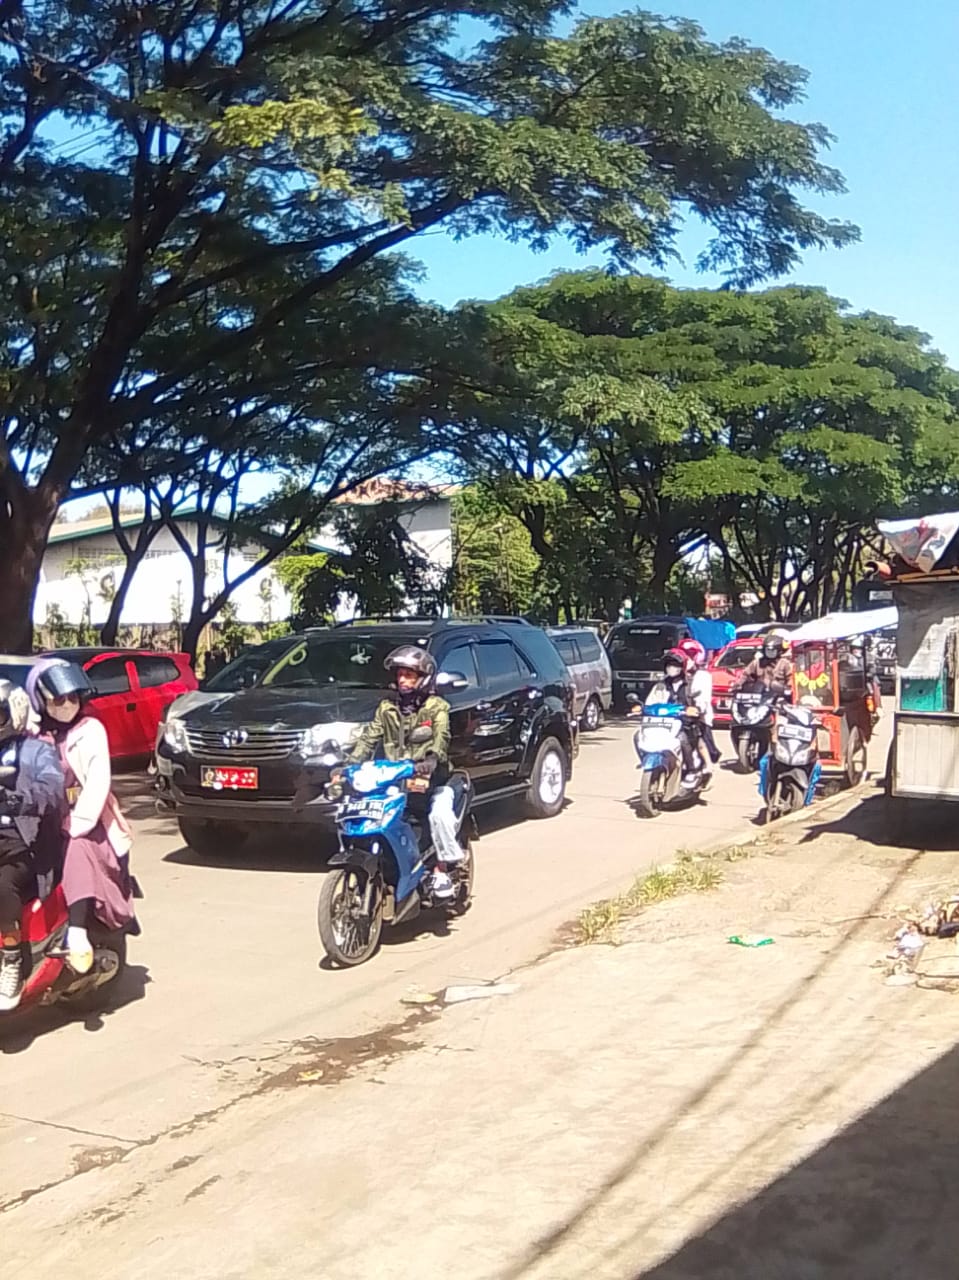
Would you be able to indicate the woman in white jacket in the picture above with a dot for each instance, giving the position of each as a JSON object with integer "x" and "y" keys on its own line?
{"x": 96, "y": 874}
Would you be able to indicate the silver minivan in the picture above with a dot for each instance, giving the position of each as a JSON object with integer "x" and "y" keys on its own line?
{"x": 583, "y": 652}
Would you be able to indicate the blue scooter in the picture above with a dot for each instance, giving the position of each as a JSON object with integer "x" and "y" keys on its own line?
{"x": 380, "y": 876}
{"x": 658, "y": 746}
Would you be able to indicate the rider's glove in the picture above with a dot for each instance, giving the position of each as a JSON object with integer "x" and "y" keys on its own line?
{"x": 426, "y": 767}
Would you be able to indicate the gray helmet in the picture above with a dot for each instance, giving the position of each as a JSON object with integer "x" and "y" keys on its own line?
{"x": 56, "y": 678}
{"x": 410, "y": 657}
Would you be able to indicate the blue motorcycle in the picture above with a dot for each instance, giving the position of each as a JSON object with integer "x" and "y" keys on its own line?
{"x": 658, "y": 745}
{"x": 380, "y": 874}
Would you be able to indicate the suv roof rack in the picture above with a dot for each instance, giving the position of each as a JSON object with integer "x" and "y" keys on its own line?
{"x": 394, "y": 619}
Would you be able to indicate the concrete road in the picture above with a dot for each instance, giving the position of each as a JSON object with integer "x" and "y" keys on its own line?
{"x": 228, "y": 972}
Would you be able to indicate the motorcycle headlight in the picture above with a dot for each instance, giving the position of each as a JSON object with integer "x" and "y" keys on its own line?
{"x": 174, "y": 735}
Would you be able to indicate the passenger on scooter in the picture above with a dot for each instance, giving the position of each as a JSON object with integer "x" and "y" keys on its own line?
{"x": 675, "y": 687}
{"x": 96, "y": 863}
{"x": 701, "y": 688}
{"x": 418, "y": 706}
{"x": 32, "y": 808}
{"x": 771, "y": 664}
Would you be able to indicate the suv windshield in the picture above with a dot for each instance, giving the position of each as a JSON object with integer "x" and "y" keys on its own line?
{"x": 247, "y": 667}
{"x": 641, "y": 645}
{"x": 740, "y": 656}
{"x": 354, "y": 662}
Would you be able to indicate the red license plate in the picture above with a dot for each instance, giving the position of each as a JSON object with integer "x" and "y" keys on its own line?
{"x": 227, "y": 778}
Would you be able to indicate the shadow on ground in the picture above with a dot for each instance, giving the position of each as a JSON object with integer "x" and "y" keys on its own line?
{"x": 928, "y": 825}
{"x": 18, "y": 1031}
{"x": 876, "y": 1202}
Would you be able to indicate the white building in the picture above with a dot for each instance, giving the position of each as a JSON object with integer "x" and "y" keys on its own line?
{"x": 83, "y": 562}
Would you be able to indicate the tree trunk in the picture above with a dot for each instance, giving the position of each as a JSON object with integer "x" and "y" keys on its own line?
{"x": 25, "y": 520}
{"x": 664, "y": 559}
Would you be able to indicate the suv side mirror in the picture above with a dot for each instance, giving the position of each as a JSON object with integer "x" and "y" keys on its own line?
{"x": 453, "y": 680}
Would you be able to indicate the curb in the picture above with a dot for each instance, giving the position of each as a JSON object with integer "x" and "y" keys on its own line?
{"x": 808, "y": 815}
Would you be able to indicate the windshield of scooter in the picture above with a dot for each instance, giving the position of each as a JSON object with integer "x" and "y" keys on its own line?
{"x": 375, "y": 775}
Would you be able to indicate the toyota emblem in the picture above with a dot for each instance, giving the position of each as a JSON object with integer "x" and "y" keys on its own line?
{"x": 234, "y": 738}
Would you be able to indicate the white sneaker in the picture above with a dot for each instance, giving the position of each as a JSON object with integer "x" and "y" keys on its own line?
{"x": 11, "y": 978}
{"x": 442, "y": 885}
{"x": 690, "y": 779}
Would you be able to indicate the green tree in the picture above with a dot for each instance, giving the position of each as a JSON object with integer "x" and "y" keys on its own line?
{"x": 380, "y": 568}
{"x": 767, "y": 428}
{"x": 494, "y": 565}
{"x": 233, "y": 168}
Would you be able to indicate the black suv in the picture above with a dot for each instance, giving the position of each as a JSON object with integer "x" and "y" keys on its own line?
{"x": 253, "y": 755}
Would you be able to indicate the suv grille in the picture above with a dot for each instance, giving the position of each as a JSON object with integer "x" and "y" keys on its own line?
{"x": 243, "y": 744}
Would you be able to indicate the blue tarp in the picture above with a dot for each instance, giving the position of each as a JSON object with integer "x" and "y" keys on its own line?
{"x": 710, "y": 633}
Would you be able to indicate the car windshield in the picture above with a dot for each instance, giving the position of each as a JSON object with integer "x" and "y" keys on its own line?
{"x": 640, "y": 645}
{"x": 15, "y": 672}
{"x": 737, "y": 658}
{"x": 350, "y": 661}
{"x": 248, "y": 667}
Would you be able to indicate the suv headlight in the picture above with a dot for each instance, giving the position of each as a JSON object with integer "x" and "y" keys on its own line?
{"x": 321, "y": 740}
{"x": 174, "y": 735}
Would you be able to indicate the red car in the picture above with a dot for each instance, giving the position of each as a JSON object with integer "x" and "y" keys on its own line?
{"x": 133, "y": 686}
{"x": 724, "y": 668}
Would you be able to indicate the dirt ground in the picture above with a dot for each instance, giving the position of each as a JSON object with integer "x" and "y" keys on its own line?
{"x": 670, "y": 1108}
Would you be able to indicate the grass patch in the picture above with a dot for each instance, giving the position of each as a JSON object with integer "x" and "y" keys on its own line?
{"x": 694, "y": 871}
{"x": 599, "y": 922}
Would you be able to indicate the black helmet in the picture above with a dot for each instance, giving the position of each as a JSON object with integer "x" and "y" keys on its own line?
{"x": 410, "y": 657}
{"x": 54, "y": 678}
{"x": 773, "y": 647}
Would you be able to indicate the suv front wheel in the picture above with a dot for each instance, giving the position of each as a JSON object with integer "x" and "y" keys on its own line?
{"x": 547, "y": 780}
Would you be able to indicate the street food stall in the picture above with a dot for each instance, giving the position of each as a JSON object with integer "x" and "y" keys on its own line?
{"x": 834, "y": 676}
{"x": 924, "y": 576}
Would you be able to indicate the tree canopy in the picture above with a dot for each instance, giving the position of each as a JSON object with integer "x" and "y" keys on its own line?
{"x": 201, "y": 204}
{"x": 763, "y": 430}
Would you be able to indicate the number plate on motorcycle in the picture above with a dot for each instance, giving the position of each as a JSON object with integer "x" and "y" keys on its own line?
{"x": 228, "y": 778}
{"x": 749, "y": 697}
{"x": 362, "y": 809}
{"x": 796, "y": 732}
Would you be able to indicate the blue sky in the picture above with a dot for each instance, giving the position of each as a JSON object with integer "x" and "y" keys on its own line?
{"x": 883, "y": 79}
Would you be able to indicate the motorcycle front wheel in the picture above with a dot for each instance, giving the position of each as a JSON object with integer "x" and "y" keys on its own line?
{"x": 652, "y": 788}
{"x": 747, "y": 753}
{"x": 349, "y": 916}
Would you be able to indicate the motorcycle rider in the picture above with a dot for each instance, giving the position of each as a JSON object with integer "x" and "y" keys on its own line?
{"x": 96, "y": 864}
{"x": 418, "y": 706}
{"x": 675, "y": 686}
{"x": 771, "y": 664}
{"x": 701, "y": 687}
{"x": 32, "y": 808}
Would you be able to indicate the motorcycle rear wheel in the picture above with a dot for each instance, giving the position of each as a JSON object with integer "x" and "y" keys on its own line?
{"x": 350, "y": 935}
{"x": 464, "y": 884}
{"x": 651, "y": 789}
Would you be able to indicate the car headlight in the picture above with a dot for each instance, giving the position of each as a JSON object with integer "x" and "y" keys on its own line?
{"x": 174, "y": 735}
{"x": 322, "y": 740}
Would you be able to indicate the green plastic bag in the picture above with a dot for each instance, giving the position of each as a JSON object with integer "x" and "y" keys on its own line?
{"x": 751, "y": 940}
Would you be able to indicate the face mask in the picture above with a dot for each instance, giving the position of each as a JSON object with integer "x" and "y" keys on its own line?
{"x": 64, "y": 713}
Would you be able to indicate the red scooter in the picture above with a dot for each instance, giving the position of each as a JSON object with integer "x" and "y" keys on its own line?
{"x": 48, "y": 979}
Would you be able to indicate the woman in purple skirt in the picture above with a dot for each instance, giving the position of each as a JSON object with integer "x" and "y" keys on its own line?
{"x": 96, "y": 872}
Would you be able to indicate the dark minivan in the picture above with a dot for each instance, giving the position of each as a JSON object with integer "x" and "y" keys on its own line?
{"x": 636, "y": 651}
{"x": 253, "y": 755}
